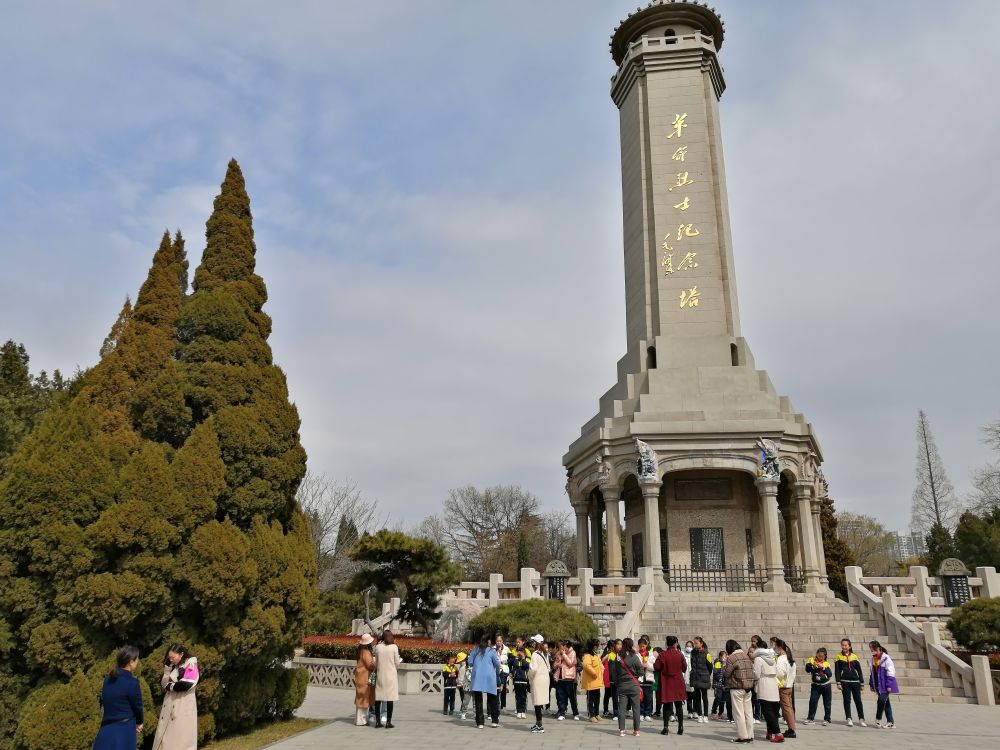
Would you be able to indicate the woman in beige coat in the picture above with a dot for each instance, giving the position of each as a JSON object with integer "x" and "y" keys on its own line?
{"x": 539, "y": 671}
{"x": 387, "y": 659}
{"x": 178, "y": 726}
{"x": 364, "y": 694}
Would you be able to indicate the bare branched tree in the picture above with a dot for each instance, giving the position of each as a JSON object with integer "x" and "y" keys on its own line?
{"x": 338, "y": 515}
{"x": 985, "y": 494}
{"x": 557, "y": 540}
{"x": 871, "y": 543}
{"x": 499, "y": 530}
{"x": 934, "y": 499}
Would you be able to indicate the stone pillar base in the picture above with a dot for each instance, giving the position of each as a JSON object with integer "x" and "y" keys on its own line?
{"x": 776, "y": 582}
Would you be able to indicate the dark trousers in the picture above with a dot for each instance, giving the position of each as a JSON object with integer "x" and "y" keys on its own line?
{"x": 538, "y": 716}
{"x": 690, "y": 702}
{"x": 492, "y": 705}
{"x": 883, "y": 705}
{"x": 449, "y": 699}
{"x": 824, "y": 691}
{"x": 566, "y": 697}
{"x": 378, "y": 712}
{"x": 701, "y": 701}
{"x": 610, "y": 694}
{"x": 852, "y": 690}
{"x": 646, "y": 709}
{"x": 722, "y": 702}
{"x": 594, "y": 703}
{"x": 677, "y": 707}
{"x": 502, "y": 690}
{"x": 770, "y": 711}
{"x": 755, "y": 704}
{"x": 520, "y": 697}
{"x": 628, "y": 697}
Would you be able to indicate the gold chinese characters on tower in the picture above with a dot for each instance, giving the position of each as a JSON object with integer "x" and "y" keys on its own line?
{"x": 689, "y": 297}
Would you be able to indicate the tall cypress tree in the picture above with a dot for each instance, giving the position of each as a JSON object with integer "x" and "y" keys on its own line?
{"x": 265, "y": 556}
{"x": 158, "y": 505}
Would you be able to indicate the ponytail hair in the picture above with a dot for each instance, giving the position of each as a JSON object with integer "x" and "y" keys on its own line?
{"x": 784, "y": 647}
{"x": 125, "y": 656}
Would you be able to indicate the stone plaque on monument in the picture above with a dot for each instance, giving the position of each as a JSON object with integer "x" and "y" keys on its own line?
{"x": 955, "y": 581}
{"x": 718, "y": 490}
{"x": 557, "y": 573}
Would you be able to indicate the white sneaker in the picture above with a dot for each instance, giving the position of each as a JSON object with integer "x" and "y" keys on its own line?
{"x": 878, "y": 724}
{"x": 756, "y": 721}
{"x": 890, "y": 725}
{"x": 826, "y": 723}
{"x": 850, "y": 723}
{"x": 560, "y": 718}
{"x": 704, "y": 720}
{"x": 576, "y": 718}
{"x": 495, "y": 724}
{"x": 862, "y": 723}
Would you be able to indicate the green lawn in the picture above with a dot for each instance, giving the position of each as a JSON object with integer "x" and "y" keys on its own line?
{"x": 265, "y": 735}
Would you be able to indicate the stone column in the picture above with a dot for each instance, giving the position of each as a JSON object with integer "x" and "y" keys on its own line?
{"x": 582, "y": 533}
{"x": 651, "y": 525}
{"x": 595, "y": 539}
{"x": 818, "y": 536}
{"x": 793, "y": 537}
{"x": 768, "y": 489}
{"x": 612, "y": 496}
{"x": 808, "y": 541}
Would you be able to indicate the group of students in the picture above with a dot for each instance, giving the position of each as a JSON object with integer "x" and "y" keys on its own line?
{"x": 643, "y": 682}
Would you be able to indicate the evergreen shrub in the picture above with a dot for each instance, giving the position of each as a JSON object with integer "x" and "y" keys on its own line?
{"x": 412, "y": 651}
{"x": 975, "y": 625}
{"x": 554, "y": 620}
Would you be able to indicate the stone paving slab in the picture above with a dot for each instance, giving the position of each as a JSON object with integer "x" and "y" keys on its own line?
{"x": 420, "y": 725}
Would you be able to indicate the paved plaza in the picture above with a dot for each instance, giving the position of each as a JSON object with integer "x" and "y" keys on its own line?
{"x": 419, "y": 725}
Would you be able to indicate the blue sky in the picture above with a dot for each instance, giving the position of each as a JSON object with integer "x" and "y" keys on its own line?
{"x": 437, "y": 203}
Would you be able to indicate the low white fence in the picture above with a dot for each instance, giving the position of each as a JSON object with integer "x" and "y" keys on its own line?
{"x": 891, "y": 601}
{"x": 614, "y": 603}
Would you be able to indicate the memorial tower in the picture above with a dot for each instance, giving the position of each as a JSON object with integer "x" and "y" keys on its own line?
{"x": 713, "y": 470}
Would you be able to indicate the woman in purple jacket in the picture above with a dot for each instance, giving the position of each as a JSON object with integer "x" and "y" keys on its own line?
{"x": 882, "y": 680}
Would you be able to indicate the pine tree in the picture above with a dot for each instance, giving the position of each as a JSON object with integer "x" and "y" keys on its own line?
{"x": 940, "y": 546}
{"x": 934, "y": 499}
{"x": 418, "y": 567}
{"x": 115, "y": 334}
{"x": 837, "y": 554}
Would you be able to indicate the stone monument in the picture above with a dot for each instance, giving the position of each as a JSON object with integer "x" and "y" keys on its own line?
{"x": 713, "y": 470}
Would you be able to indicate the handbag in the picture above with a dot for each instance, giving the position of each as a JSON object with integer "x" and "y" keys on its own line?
{"x": 373, "y": 678}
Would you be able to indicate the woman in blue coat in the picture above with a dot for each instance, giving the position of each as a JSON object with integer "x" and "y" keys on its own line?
{"x": 485, "y": 664}
{"x": 121, "y": 700}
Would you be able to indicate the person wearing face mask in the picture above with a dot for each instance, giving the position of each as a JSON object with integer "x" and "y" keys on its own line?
{"x": 688, "y": 648}
{"x": 701, "y": 678}
{"x": 766, "y": 672}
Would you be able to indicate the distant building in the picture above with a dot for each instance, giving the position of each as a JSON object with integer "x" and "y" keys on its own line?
{"x": 908, "y": 545}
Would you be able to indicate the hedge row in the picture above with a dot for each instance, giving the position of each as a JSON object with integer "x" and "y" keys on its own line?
{"x": 410, "y": 654}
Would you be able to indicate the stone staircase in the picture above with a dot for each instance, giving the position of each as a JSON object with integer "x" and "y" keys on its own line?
{"x": 804, "y": 621}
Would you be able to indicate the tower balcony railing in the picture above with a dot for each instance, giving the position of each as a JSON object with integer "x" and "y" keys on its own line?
{"x": 664, "y": 43}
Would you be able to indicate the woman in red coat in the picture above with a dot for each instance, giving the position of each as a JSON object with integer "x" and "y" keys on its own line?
{"x": 672, "y": 665}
